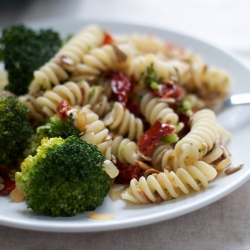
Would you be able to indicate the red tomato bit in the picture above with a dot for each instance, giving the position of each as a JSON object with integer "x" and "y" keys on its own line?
{"x": 152, "y": 136}
{"x": 107, "y": 39}
{"x": 168, "y": 90}
{"x": 62, "y": 108}
{"x": 3, "y": 172}
{"x": 9, "y": 185}
{"x": 120, "y": 86}
{"x": 134, "y": 107}
{"x": 127, "y": 172}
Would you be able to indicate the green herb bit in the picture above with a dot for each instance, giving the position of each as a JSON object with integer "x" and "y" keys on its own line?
{"x": 154, "y": 85}
{"x": 201, "y": 150}
{"x": 92, "y": 93}
{"x": 151, "y": 75}
{"x": 170, "y": 138}
{"x": 186, "y": 105}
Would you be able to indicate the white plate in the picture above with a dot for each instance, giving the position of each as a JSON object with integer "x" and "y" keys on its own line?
{"x": 236, "y": 120}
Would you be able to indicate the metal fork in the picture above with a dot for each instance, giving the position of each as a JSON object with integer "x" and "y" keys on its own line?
{"x": 235, "y": 100}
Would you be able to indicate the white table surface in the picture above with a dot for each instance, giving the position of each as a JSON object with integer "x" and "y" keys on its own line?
{"x": 224, "y": 224}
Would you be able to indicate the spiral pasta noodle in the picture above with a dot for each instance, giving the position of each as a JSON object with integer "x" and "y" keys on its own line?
{"x": 35, "y": 110}
{"x": 185, "y": 55}
{"x": 209, "y": 82}
{"x": 154, "y": 110}
{"x": 96, "y": 98}
{"x": 199, "y": 140}
{"x": 98, "y": 60}
{"x": 174, "y": 70}
{"x": 195, "y": 102}
{"x": 51, "y": 98}
{"x": 105, "y": 58}
{"x": 77, "y": 94}
{"x": 122, "y": 122}
{"x": 166, "y": 185}
{"x": 56, "y": 70}
{"x": 146, "y": 44}
{"x": 95, "y": 131}
{"x": 90, "y": 37}
{"x": 125, "y": 150}
{"x": 163, "y": 157}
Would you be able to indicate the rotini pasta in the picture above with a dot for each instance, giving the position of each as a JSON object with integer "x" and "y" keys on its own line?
{"x": 199, "y": 140}
{"x": 177, "y": 71}
{"x": 153, "y": 109}
{"x": 106, "y": 58}
{"x": 51, "y": 98}
{"x": 125, "y": 150}
{"x": 166, "y": 185}
{"x": 195, "y": 102}
{"x": 163, "y": 157}
{"x": 95, "y": 96}
{"x": 95, "y": 132}
{"x": 208, "y": 82}
{"x": 98, "y": 60}
{"x": 90, "y": 37}
{"x": 185, "y": 55}
{"x": 36, "y": 112}
{"x": 77, "y": 94}
{"x": 147, "y": 44}
{"x": 57, "y": 69}
{"x": 123, "y": 122}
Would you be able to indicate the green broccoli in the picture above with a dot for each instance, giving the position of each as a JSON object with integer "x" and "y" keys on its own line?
{"x": 15, "y": 130}
{"x": 55, "y": 127}
{"x": 23, "y": 50}
{"x": 64, "y": 178}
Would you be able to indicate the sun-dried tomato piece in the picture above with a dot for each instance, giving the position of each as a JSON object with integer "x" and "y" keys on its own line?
{"x": 62, "y": 108}
{"x": 184, "y": 119}
{"x": 9, "y": 185}
{"x": 121, "y": 86}
{"x": 133, "y": 107}
{"x": 3, "y": 172}
{"x": 168, "y": 90}
{"x": 107, "y": 39}
{"x": 152, "y": 136}
{"x": 127, "y": 172}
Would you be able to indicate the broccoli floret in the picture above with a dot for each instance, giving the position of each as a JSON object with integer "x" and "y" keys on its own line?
{"x": 64, "y": 178}
{"x": 15, "y": 130}
{"x": 23, "y": 50}
{"x": 55, "y": 127}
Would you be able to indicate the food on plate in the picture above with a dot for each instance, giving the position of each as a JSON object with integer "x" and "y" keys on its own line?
{"x": 128, "y": 109}
{"x": 15, "y": 130}
{"x": 65, "y": 177}
{"x": 233, "y": 169}
{"x": 97, "y": 216}
{"x": 23, "y": 50}
{"x": 54, "y": 127}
